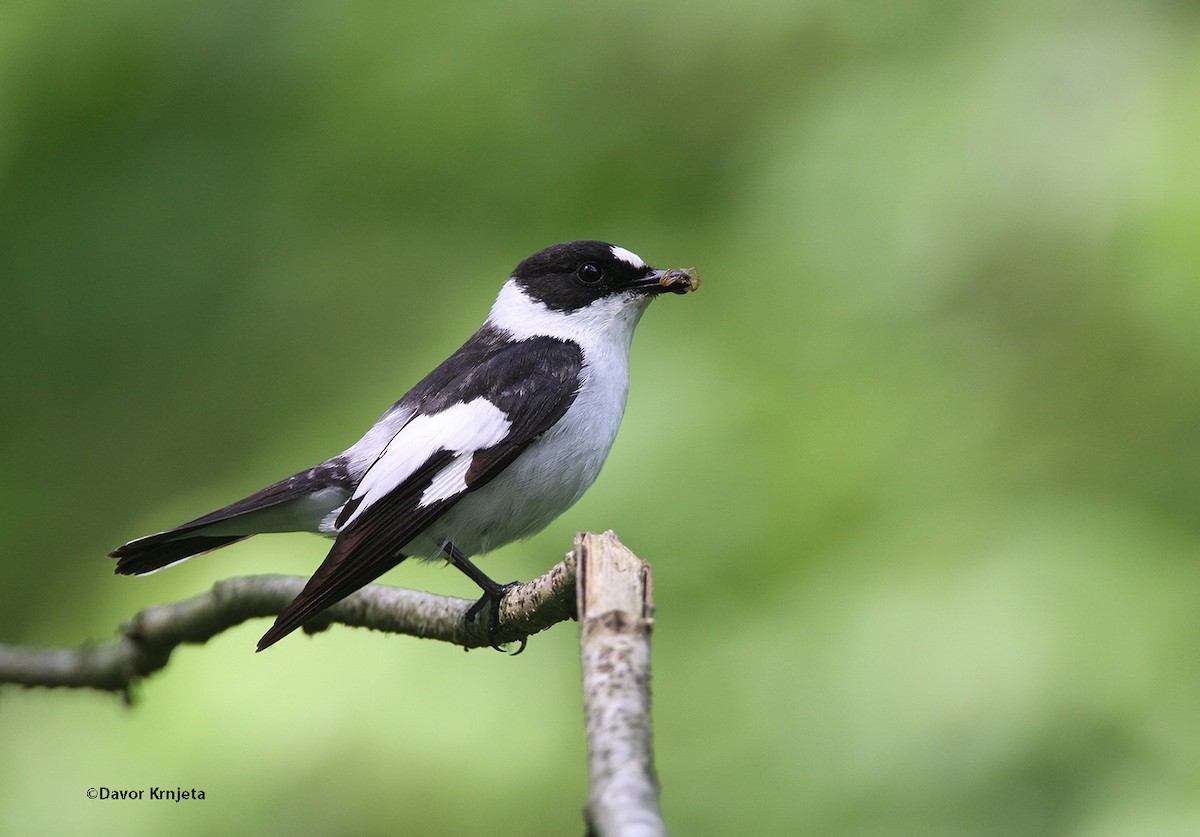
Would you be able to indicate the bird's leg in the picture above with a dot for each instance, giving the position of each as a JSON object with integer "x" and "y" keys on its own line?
{"x": 493, "y": 592}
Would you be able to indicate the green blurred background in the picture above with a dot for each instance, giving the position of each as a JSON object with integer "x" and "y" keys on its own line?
{"x": 917, "y": 469}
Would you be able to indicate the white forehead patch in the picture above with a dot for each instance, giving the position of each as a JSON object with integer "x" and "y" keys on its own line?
{"x": 625, "y": 256}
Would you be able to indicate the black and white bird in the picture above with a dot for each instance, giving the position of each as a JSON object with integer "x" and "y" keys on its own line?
{"x": 491, "y": 446}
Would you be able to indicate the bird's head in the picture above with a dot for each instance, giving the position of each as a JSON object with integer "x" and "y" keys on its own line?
{"x": 568, "y": 277}
{"x": 591, "y": 292}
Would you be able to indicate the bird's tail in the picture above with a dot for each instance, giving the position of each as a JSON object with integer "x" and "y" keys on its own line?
{"x": 296, "y": 504}
{"x": 146, "y": 555}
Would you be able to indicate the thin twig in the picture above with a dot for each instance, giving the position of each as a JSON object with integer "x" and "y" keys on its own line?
{"x": 146, "y": 641}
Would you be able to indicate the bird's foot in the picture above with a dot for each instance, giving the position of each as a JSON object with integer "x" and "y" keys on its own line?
{"x": 492, "y": 598}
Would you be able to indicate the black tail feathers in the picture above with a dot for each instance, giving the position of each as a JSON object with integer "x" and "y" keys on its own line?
{"x": 146, "y": 555}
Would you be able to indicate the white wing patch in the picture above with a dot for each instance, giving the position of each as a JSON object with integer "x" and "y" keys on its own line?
{"x": 462, "y": 429}
{"x": 450, "y": 481}
{"x": 626, "y": 256}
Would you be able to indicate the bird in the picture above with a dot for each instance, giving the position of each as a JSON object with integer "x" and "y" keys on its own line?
{"x": 491, "y": 446}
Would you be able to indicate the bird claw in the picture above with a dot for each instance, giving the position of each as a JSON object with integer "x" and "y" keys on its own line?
{"x": 493, "y": 597}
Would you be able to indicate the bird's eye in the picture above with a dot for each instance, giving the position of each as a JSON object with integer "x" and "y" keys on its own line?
{"x": 589, "y": 273}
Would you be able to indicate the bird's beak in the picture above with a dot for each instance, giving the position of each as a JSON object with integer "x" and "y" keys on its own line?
{"x": 673, "y": 280}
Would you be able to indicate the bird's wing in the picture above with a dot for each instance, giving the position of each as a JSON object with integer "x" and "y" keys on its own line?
{"x": 467, "y": 431}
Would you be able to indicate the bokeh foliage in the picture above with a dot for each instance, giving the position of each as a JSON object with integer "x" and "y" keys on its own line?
{"x": 917, "y": 470}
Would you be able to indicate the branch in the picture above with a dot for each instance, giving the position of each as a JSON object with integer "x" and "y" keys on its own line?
{"x": 616, "y": 613}
{"x": 613, "y": 597}
{"x": 147, "y": 640}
